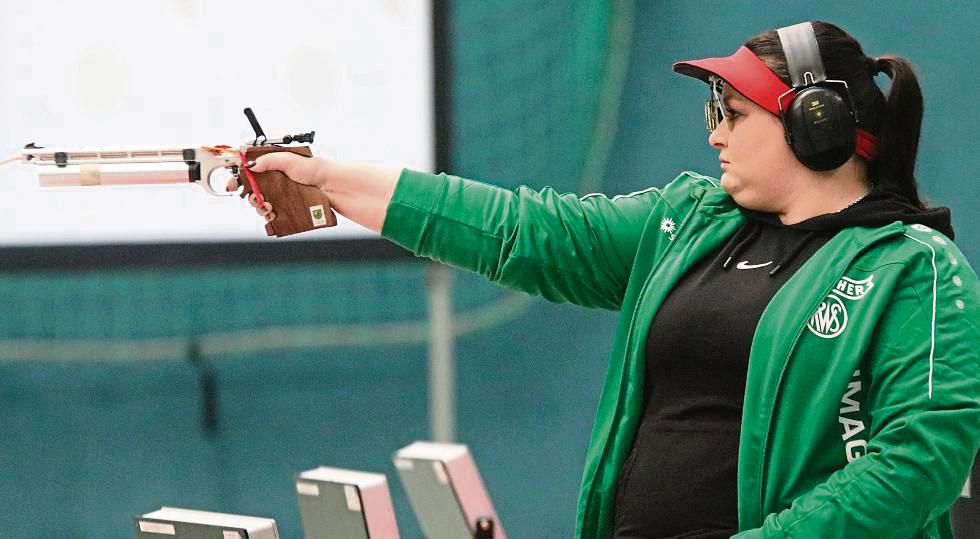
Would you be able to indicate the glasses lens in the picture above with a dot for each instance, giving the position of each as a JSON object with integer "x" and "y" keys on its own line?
{"x": 713, "y": 107}
{"x": 710, "y": 115}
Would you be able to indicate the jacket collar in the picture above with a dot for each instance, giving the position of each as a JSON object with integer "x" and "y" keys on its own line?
{"x": 716, "y": 202}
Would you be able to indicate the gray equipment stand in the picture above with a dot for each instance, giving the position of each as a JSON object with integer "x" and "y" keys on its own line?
{"x": 442, "y": 367}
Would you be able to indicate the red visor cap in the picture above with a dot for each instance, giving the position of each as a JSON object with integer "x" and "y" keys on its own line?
{"x": 745, "y": 72}
{"x": 749, "y": 76}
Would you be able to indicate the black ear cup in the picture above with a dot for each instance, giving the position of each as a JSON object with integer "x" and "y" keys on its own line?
{"x": 820, "y": 124}
{"x": 820, "y": 128}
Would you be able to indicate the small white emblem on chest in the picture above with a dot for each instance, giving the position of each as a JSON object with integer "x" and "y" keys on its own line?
{"x": 668, "y": 227}
{"x": 744, "y": 265}
{"x": 830, "y": 318}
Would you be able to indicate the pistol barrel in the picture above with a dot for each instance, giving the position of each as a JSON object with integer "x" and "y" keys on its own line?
{"x": 61, "y": 158}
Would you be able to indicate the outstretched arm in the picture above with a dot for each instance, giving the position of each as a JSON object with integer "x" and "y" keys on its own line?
{"x": 559, "y": 246}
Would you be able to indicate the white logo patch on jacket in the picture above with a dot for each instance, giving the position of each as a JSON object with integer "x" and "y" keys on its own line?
{"x": 830, "y": 318}
{"x": 854, "y": 289}
{"x": 668, "y": 227}
{"x": 855, "y": 447}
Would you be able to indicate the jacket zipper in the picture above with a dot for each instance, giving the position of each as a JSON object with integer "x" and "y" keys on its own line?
{"x": 629, "y": 338}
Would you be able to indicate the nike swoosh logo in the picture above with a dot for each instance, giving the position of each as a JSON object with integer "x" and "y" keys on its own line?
{"x": 745, "y": 265}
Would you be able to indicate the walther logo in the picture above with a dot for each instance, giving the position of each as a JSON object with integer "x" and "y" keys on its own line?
{"x": 853, "y": 289}
{"x": 830, "y": 318}
{"x": 318, "y": 215}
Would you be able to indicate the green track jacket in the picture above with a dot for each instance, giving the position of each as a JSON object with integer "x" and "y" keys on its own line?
{"x": 862, "y": 402}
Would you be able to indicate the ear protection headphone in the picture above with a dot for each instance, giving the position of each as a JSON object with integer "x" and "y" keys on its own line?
{"x": 820, "y": 123}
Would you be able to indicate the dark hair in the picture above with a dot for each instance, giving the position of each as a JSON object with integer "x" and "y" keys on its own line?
{"x": 896, "y": 121}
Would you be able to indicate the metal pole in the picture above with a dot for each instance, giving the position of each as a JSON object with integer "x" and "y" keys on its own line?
{"x": 442, "y": 368}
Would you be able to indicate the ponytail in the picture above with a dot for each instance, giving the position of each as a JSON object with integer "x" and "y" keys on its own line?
{"x": 898, "y": 138}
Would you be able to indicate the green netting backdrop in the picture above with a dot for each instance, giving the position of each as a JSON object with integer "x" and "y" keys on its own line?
{"x": 526, "y": 94}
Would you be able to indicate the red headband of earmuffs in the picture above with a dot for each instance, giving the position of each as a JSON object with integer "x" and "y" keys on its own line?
{"x": 749, "y": 76}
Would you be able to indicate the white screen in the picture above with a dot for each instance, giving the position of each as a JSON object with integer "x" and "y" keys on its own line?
{"x": 177, "y": 73}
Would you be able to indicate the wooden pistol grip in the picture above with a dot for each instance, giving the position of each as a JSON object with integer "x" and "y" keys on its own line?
{"x": 298, "y": 207}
